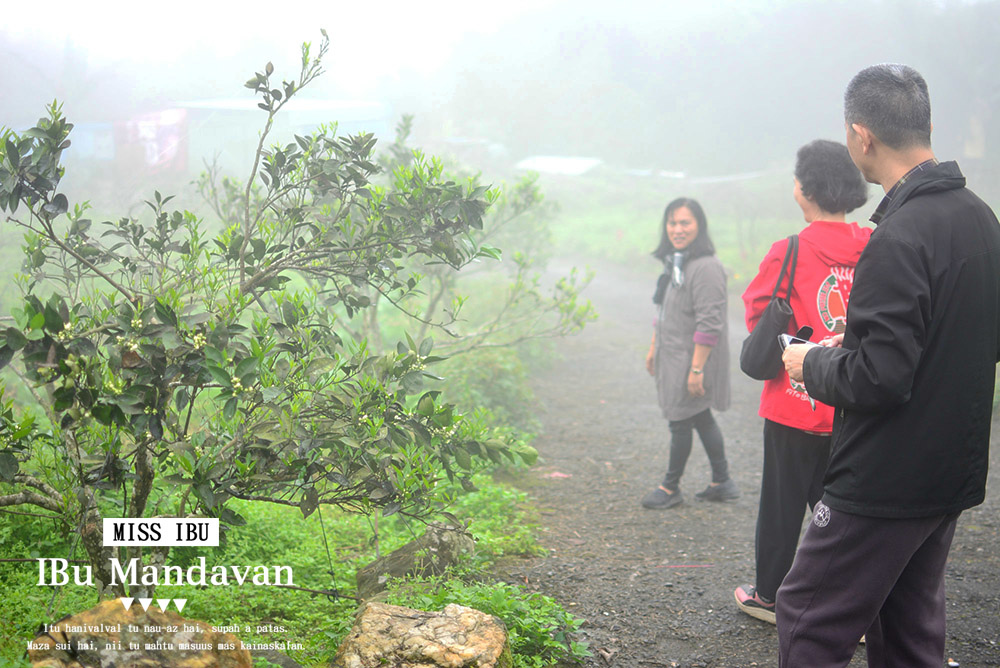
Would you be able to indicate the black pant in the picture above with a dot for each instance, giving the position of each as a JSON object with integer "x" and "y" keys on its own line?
{"x": 794, "y": 465}
{"x": 681, "y": 439}
{"x": 855, "y": 575}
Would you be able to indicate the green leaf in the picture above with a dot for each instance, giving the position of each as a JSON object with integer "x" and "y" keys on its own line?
{"x": 426, "y": 346}
{"x": 6, "y": 354}
{"x": 181, "y": 398}
{"x": 37, "y": 321}
{"x": 165, "y": 313}
{"x": 15, "y": 339}
{"x": 156, "y": 427}
{"x": 422, "y": 435}
{"x": 490, "y": 252}
{"x": 229, "y": 410}
{"x": 215, "y": 355}
{"x": 58, "y": 206}
{"x": 259, "y": 248}
{"x": 289, "y": 314}
{"x": 103, "y": 413}
{"x": 27, "y": 424}
{"x": 413, "y": 382}
{"x": 194, "y": 319}
{"x": 528, "y": 454}
{"x": 309, "y": 502}
{"x": 235, "y": 244}
{"x": 246, "y": 366}
{"x": 463, "y": 458}
{"x": 219, "y": 375}
{"x": 53, "y": 321}
{"x": 12, "y": 155}
{"x": 8, "y": 466}
{"x": 232, "y": 518}
{"x": 425, "y": 406}
{"x": 80, "y": 226}
{"x": 204, "y": 492}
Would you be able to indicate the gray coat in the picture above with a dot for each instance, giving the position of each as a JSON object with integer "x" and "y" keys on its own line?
{"x": 699, "y": 305}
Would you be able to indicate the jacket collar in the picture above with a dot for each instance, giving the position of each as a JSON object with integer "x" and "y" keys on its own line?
{"x": 926, "y": 177}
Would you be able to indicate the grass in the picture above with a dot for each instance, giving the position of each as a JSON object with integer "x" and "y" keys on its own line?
{"x": 499, "y": 518}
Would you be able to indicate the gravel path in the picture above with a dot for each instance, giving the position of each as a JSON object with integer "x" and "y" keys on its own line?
{"x": 656, "y": 586}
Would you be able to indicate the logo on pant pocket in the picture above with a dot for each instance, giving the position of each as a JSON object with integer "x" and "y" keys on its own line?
{"x": 821, "y": 515}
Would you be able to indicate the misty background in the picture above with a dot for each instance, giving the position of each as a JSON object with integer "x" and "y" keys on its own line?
{"x": 662, "y": 98}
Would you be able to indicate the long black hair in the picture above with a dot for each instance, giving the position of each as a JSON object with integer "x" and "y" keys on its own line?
{"x": 702, "y": 244}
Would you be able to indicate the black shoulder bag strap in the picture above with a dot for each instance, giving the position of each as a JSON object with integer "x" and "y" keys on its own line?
{"x": 791, "y": 254}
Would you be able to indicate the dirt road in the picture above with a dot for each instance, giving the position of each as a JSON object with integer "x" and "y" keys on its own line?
{"x": 656, "y": 586}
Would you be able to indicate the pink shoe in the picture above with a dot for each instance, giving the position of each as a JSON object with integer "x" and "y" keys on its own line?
{"x": 752, "y": 603}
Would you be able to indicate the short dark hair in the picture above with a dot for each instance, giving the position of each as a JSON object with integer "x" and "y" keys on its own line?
{"x": 892, "y": 101}
{"x": 702, "y": 244}
{"x": 827, "y": 175}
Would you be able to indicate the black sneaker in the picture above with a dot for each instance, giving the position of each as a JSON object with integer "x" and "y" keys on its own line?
{"x": 724, "y": 491}
{"x": 659, "y": 498}
{"x": 755, "y": 605}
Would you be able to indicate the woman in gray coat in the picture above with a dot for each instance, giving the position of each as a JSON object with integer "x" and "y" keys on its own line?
{"x": 689, "y": 354}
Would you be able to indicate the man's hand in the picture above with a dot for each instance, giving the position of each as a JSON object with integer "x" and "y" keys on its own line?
{"x": 651, "y": 359}
{"x": 793, "y": 357}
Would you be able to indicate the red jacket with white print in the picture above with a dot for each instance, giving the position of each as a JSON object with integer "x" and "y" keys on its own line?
{"x": 824, "y": 275}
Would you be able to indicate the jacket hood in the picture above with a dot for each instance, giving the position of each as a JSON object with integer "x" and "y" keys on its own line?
{"x": 835, "y": 243}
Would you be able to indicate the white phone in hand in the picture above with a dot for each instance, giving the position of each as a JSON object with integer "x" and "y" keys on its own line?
{"x": 785, "y": 340}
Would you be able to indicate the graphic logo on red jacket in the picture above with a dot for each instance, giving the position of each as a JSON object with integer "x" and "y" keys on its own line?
{"x": 832, "y": 297}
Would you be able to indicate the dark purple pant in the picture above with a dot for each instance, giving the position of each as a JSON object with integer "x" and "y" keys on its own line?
{"x": 854, "y": 576}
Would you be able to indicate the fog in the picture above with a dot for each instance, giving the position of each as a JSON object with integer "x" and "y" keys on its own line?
{"x": 715, "y": 90}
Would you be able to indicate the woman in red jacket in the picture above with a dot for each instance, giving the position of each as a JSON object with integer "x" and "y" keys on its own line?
{"x": 797, "y": 429}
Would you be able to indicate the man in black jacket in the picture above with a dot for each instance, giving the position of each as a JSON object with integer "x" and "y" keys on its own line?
{"x": 912, "y": 381}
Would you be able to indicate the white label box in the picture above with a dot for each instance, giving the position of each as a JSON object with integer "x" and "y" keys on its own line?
{"x": 161, "y": 531}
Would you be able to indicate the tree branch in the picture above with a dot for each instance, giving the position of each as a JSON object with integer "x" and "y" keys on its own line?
{"x": 50, "y": 233}
{"x": 30, "y": 498}
{"x": 41, "y": 486}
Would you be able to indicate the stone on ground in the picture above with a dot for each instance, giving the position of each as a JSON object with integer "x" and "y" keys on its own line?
{"x": 391, "y": 635}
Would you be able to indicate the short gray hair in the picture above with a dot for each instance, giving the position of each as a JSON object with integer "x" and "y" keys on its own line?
{"x": 892, "y": 101}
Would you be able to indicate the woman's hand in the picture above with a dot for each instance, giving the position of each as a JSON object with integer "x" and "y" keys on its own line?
{"x": 651, "y": 359}
{"x": 696, "y": 384}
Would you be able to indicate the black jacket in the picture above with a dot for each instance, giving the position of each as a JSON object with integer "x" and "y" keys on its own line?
{"x": 913, "y": 383}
